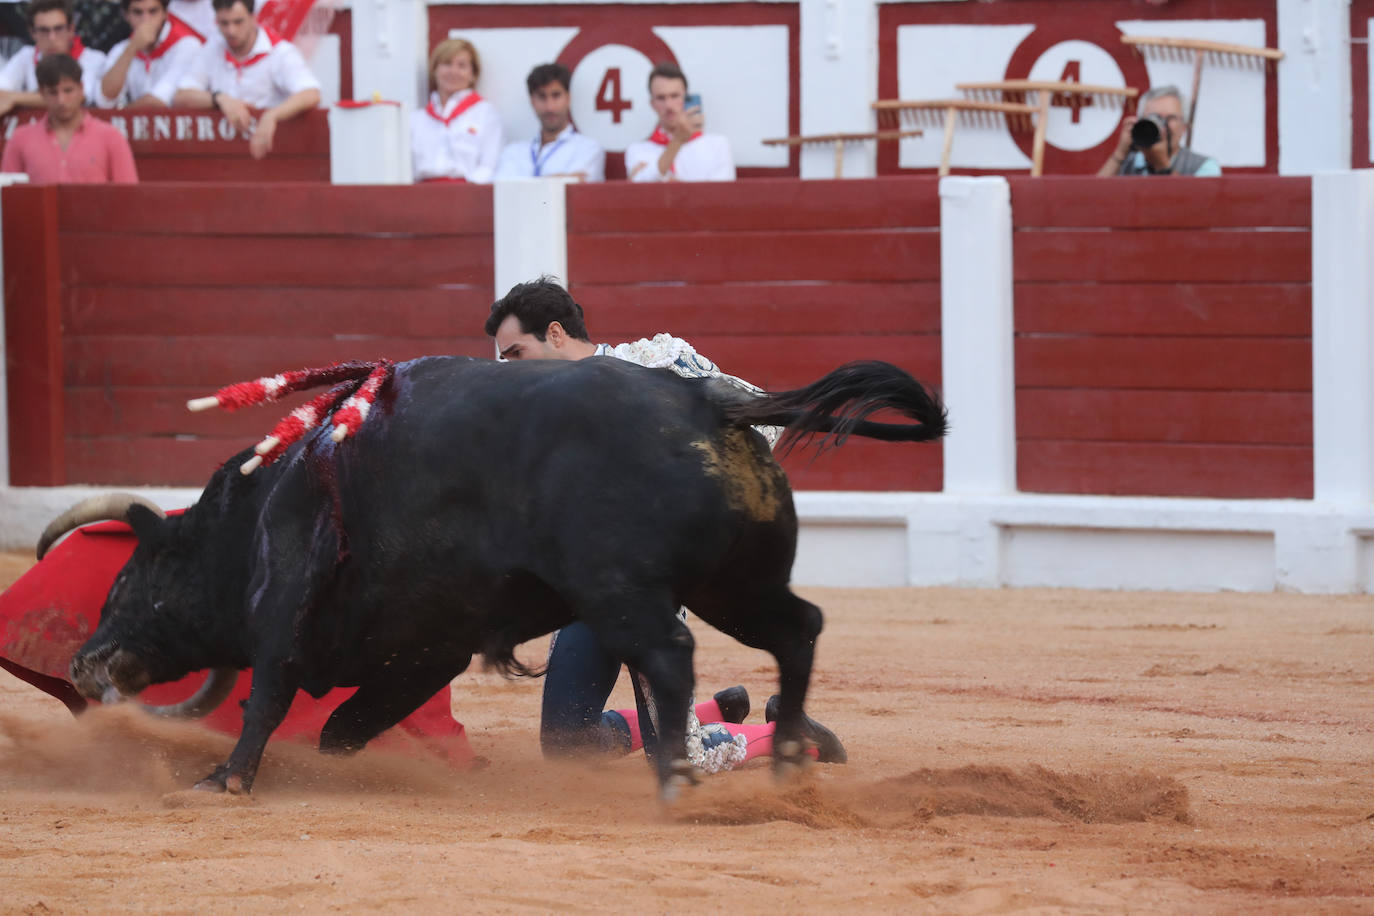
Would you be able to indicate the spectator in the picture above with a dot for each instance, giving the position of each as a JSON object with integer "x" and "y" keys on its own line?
{"x": 677, "y": 150}
{"x": 68, "y": 145}
{"x": 248, "y": 66}
{"x": 1167, "y": 155}
{"x": 50, "y": 22}
{"x": 457, "y": 135}
{"x": 198, "y": 14}
{"x": 143, "y": 71}
{"x": 559, "y": 149}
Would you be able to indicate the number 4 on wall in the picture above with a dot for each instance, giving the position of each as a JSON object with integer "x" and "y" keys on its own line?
{"x": 608, "y": 97}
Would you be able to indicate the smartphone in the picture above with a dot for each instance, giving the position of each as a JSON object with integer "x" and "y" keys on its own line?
{"x": 693, "y": 100}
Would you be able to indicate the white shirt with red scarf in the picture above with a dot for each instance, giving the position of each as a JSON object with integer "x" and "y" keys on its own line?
{"x": 705, "y": 157}
{"x": 158, "y": 70}
{"x": 459, "y": 140}
{"x": 18, "y": 73}
{"x": 273, "y": 71}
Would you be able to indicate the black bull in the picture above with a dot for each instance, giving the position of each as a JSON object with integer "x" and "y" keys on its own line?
{"x": 483, "y": 505}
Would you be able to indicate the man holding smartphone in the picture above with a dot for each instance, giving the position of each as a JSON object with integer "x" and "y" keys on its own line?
{"x": 678, "y": 150}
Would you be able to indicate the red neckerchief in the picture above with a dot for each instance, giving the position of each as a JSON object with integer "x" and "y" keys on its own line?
{"x": 178, "y": 31}
{"x": 74, "y": 52}
{"x": 458, "y": 109}
{"x": 662, "y": 139}
{"x": 241, "y": 65}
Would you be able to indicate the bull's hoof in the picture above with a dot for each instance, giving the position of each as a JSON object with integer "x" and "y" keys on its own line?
{"x": 682, "y": 775}
{"x": 210, "y": 783}
{"x": 829, "y": 748}
{"x": 789, "y": 760}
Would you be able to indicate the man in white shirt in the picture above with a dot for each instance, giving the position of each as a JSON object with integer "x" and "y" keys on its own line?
{"x": 143, "y": 70}
{"x": 50, "y": 22}
{"x": 248, "y": 66}
{"x": 558, "y": 150}
{"x": 678, "y": 150}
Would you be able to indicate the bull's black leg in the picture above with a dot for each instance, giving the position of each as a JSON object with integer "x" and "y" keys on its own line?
{"x": 380, "y": 703}
{"x": 274, "y": 687}
{"x": 779, "y": 622}
{"x": 647, "y": 635}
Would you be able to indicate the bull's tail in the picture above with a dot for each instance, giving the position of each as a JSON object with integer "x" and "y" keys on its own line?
{"x": 837, "y": 407}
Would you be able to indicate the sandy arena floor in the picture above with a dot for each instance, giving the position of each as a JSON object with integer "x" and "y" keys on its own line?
{"x": 1010, "y": 752}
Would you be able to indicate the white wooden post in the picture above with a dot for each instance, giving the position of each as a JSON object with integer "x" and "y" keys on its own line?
{"x": 369, "y": 143}
{"x": 391, "y": 51}
{"x": 1314, "y": 86}
{"x": 530, "y": 230}
{"x": 976, "y": 335}
{"x": 1343, "y": 337}
{"x": 839, "y": 81}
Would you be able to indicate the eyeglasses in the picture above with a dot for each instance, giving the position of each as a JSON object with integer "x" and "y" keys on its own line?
{"x": 50, "y": 29}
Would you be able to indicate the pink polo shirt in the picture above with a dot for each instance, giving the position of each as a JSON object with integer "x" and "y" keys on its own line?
{"x": 97, "y": 153}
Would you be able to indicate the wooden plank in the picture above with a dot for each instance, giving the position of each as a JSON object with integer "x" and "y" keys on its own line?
{"x": 1155, "y": 469}
{"x": 1218, "y": 363}
{"x": 1066, "y": 201}
{"x": 244, "y": 261}
{"x": 1224, "y": 309}
{"x": 235, "y": 170}
{"x": 869, "y": 466}
{"x": 1251, "y": 417}
{"x": 210, "y": 363}
{"x": 1163, "y": 256}
{"x": 33, "y": 336}
{"x": 717, "y": 257}
{"x": 618, "y": 313}
{"x": 283, "y": 209}
{"x": 763, "y": 204}
{"x": 160, "y": 413}
{"x": 128, "y": 461}
{"x": 451, "y": 312}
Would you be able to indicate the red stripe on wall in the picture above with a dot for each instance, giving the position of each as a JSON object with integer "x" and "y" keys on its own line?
{"x": 1155, "y": 415}
{"x": 1154, "y": 469}
{"x": 276, "y": 210}
{"x": 1174, "y": 309}
{"x": 1159, "y": 256}
{"x": 1247, "y": 364}
{"x": 755, "y": 205}
{"x": 1245, "y": 201}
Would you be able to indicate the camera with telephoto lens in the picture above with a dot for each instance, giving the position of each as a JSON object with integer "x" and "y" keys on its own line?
{"x": 1147, "y": 131}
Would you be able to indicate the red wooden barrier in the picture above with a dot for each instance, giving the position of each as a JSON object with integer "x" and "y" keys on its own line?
{"x": 1163, "y": 336}
{"x": 197, "y": 145}
{"x": 166, "y": 292}
{"x": 778, "y": 282}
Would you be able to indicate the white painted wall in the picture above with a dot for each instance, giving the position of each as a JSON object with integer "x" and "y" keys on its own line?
{"x": 839, "y": 42}
{"x": 1314, "y": 86}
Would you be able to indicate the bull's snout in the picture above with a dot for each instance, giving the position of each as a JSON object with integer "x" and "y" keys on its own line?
{"x": 108, "y": 674}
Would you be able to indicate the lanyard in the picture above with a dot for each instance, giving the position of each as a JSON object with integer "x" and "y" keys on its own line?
{"x": 538, "y": 162}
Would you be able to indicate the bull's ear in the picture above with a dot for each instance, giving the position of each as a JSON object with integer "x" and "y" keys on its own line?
{"x": 146, "y": 524}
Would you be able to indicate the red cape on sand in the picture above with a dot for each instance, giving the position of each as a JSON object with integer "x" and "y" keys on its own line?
{"x": 54, "y": 608}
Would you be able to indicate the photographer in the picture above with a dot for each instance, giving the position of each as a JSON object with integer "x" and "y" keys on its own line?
{"x": 1152, "y": 144}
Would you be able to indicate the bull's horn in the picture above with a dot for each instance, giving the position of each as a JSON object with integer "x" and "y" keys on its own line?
{"x": 217, "y": 687}
{"x": 106, "y": 507}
